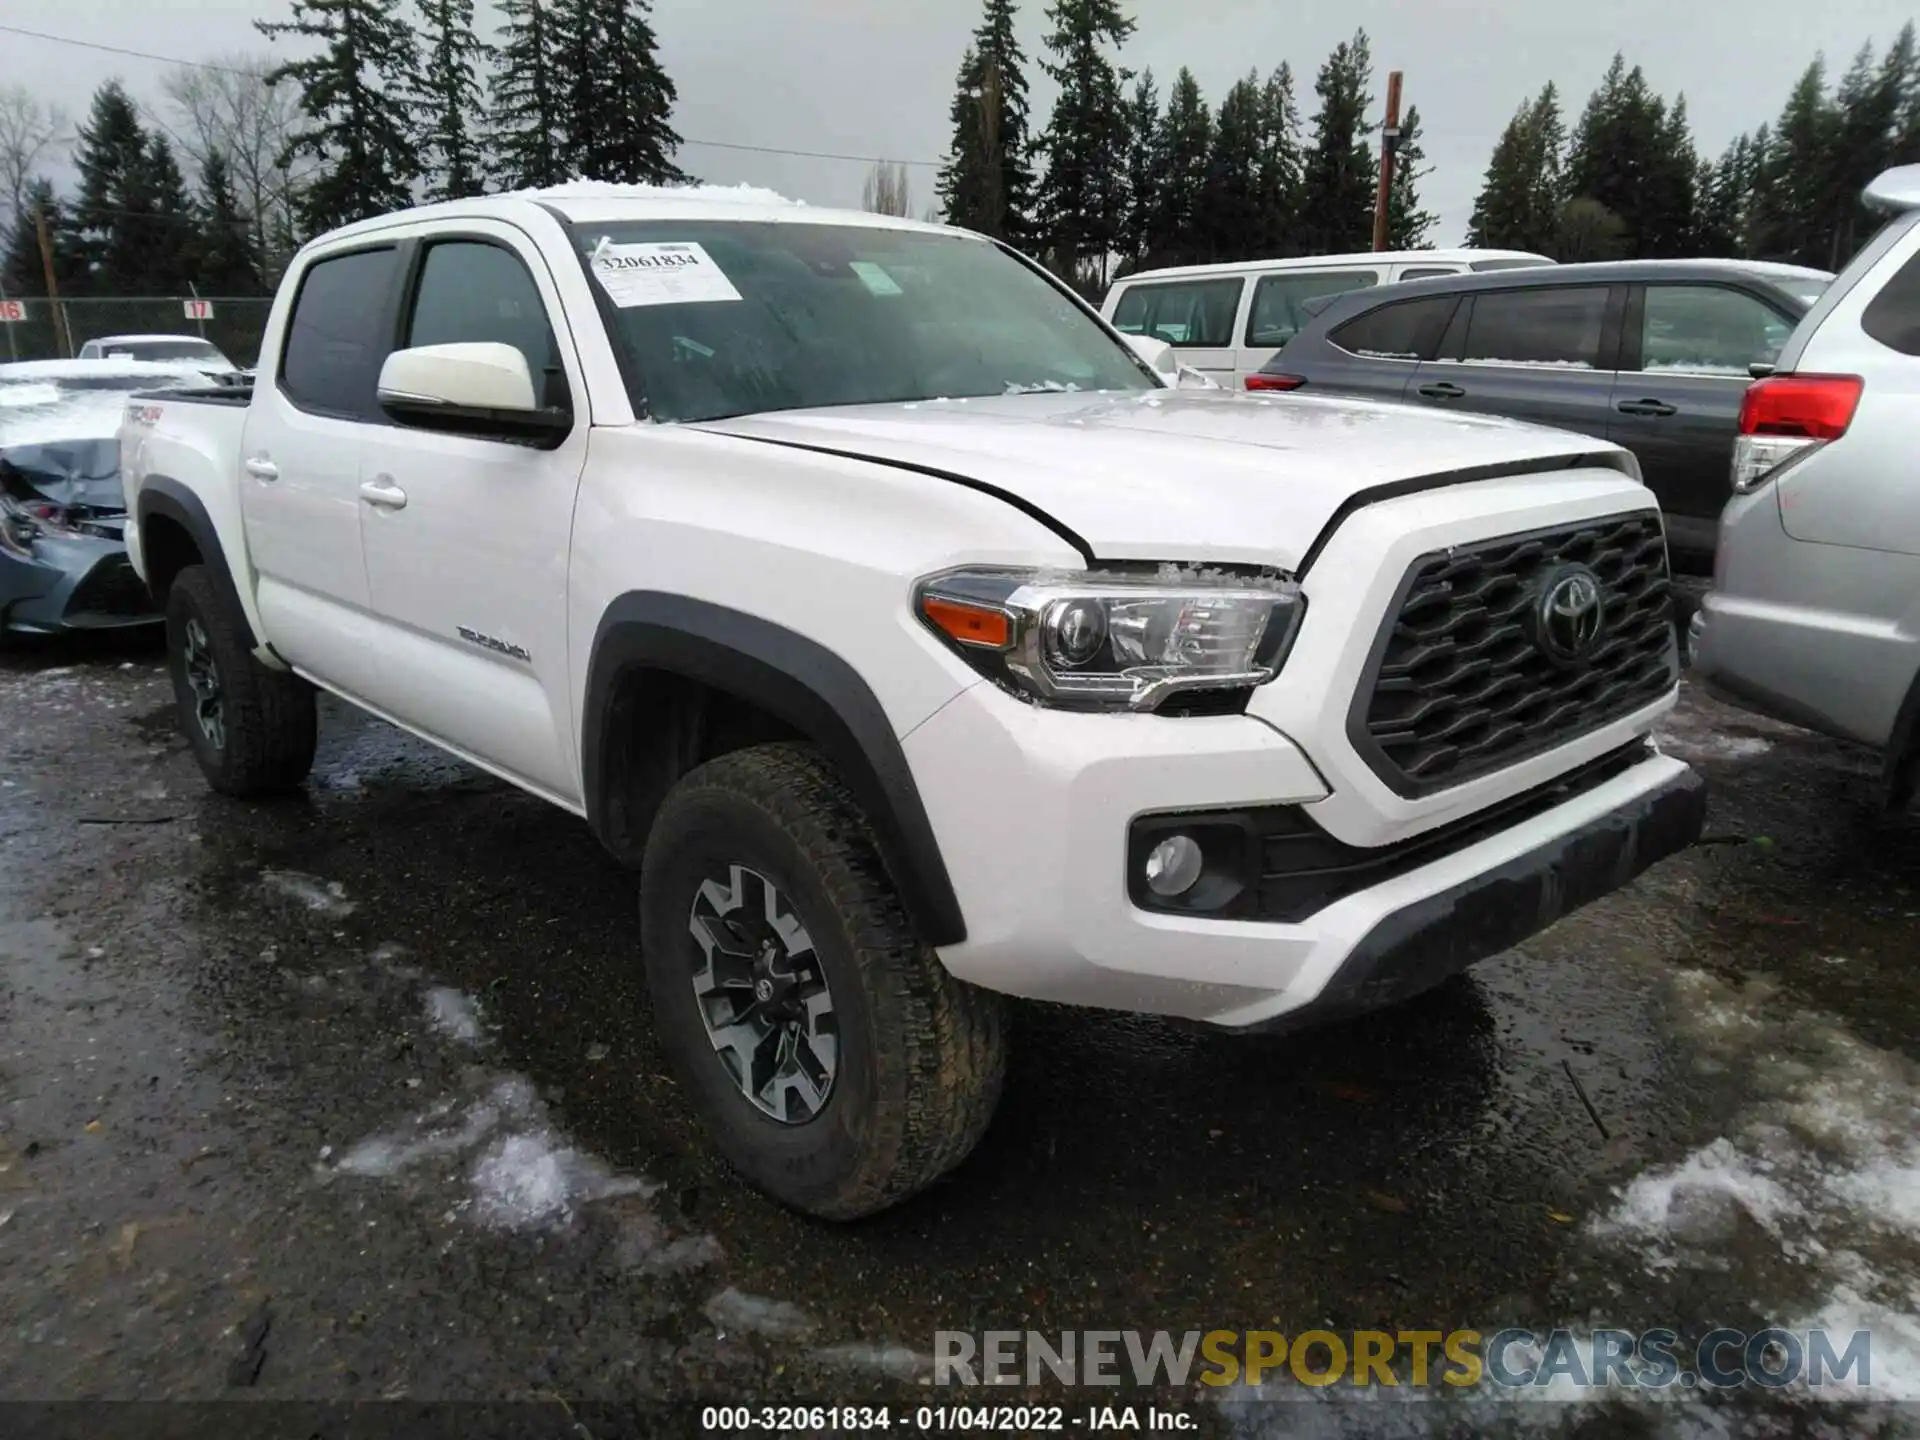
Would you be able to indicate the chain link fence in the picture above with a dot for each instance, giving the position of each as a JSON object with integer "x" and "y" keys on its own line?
{"x": 235, "y": 326}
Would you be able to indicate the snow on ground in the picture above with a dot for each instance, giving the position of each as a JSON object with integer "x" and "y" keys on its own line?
{"x": 324, "y": 897}
{"x": 515, "y": 1171}
{"x": 1821, "y": 1171}
{"x": 454, "y": 1014}
{"x": 1718, "y": 732}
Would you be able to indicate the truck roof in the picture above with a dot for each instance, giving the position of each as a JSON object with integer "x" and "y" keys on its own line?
{"x": 590, "y": 201}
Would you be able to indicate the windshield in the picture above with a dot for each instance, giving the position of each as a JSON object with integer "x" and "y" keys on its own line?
{"x": 723, "y": 318}
{"x": 161, "y": 349}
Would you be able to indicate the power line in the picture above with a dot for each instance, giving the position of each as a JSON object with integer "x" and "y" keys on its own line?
{"x": 118, "y": 50}
{"x": 229, "y": 70}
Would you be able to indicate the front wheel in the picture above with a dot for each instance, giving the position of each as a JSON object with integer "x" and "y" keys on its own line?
{"x": 838, "y": 1064}
{"x": 252, "y": 729}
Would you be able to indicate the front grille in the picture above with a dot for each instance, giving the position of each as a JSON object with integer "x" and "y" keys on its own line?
{"x": 1462, "y": 682}
{"x": 111, "y": 588}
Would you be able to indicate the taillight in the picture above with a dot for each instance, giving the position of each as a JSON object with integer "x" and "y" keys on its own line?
{"x": 1810, "y": 407}
{"x": 1275, "y": 382}
{"x": 1784, "y": 418}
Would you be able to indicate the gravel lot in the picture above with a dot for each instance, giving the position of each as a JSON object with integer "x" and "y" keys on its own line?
{"x": 353, "y": 1097}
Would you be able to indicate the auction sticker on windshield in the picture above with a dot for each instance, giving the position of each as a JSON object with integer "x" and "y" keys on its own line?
{"x": 660, "y": 274}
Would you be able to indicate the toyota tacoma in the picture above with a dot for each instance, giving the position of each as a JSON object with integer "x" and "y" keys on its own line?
{"x": 916, "y": 637}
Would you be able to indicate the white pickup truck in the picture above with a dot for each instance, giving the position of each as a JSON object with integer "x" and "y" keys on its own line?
{"x": 915, "y": 638}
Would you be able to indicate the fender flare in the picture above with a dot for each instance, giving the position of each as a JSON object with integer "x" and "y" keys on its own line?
{"x": 162, "y": 495}
{"x": 803, "y": 684}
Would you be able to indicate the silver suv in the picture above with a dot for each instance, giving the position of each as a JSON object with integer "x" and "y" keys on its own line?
{"x": 1814, "y": 615}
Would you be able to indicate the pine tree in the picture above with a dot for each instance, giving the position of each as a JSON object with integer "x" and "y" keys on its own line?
{"x": 1866, "y": 134}
{"x": 448, "y": 99}
{"x": 1627, "y": 156}
{"x": 354, "y": 94}
{"x": 987, "y": 182}
{"x": 1341, "y": 174}
{"x": 1906, "y": 127}
{"x": 1230, "y": 195}
{"x": 226, "y": 258}
{"x": 614, "y": 99}
{"x": 1144, "y": 167}
{"x": 1280, "y": 165}
{"x": 524, "y": 98}
{"x": 1520, "y": 201}
{"x": 1723, "y": 191}
{"x": 640, "y": 98}
{"x": 1667, "y": 200}
{"x": 1178, "y": 234}
{"x": 1083, "y": 199}
{"x": 22, "y": 271}
{"x": 107, "y": 225}
{"x": 1408, "y": 225}
{"x": 1794, "y": 190}
{"x": 168, "y": 237}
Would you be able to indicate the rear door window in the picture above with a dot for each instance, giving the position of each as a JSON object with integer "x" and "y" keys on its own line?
{"x": 1560, "y": 327}
{"x": 1405, "y": 330}
{"x": 1278, "y": 301}
{"x": 341, "y": 333}
{"x": 1188, "y": 312}
{"x": 1708, "y": 330}
{"x": 1893, "y": 316}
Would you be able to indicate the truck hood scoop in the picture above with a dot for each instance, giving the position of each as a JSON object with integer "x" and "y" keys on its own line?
{"x": 1177, "y": 475}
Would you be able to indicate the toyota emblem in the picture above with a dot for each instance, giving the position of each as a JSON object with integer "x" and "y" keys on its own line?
{"x": 1570, "y": 615}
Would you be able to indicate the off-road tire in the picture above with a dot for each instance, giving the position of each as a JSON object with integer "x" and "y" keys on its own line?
{"x": 269, "y": 720}
{"x": 921, "y": 1055}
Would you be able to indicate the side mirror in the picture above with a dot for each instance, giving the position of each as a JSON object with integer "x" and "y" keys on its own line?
{"x": 483, "y": 387}
{"x": 1192, "y": 379}
{"x": 1156, "y": 352}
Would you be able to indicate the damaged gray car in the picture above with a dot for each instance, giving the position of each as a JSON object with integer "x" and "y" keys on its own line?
{"x": 63, "y": 558}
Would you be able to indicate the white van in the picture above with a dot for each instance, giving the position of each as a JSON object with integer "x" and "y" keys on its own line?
{"x": 1225, "y": 327}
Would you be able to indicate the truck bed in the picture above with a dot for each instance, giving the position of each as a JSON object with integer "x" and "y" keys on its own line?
{"x": 235, "y": 390}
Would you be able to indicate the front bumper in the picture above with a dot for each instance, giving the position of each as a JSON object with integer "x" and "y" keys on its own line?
{"x": 1034, "y": 810}
{"x": 1423, "y": 943}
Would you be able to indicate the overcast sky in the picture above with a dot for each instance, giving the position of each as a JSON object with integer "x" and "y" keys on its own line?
{"x": 874, "y": 77}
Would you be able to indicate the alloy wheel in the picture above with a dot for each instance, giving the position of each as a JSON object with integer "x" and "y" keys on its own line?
{"x": 763, "y": 995}
{"x": 203, "y": 679}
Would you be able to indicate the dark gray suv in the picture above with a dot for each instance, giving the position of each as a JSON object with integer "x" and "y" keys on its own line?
{"x": 1651, "y": 354}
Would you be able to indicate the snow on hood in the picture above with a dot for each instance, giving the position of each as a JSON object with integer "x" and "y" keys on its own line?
{"x": 159, "y": 372}
{"x": 60, "y": 422}
{"x": 1177, "y": 474}
{"x": 616, "y": 190}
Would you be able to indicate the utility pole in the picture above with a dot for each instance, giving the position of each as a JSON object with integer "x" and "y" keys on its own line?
{"x": 1389, "y": 146}
{"x": 62, "y": 336}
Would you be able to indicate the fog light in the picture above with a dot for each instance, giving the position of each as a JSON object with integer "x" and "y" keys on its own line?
{"x": 1173, "y": 866}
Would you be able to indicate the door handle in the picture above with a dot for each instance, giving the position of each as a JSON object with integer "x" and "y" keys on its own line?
{"x": 261, "y": 468}
{"x": 1442, "y": 390}
{"x": 383, "y": 492}
{"x": 1644, "y": 407}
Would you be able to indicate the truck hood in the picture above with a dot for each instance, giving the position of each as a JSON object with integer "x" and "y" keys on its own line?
{"x": 1179, "y": 474}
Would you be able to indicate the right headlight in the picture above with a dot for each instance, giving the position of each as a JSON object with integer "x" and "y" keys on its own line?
{"x": 1114, "y": 640}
